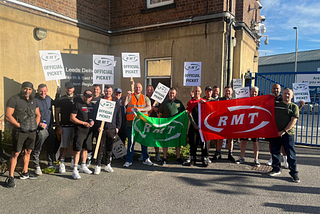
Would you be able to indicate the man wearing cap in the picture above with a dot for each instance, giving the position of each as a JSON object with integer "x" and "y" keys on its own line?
{"x": 110, "y": 130}
{"x": 82, "y": 116}
{"x": 137, "y": 102}
{"x": 117, "y": 95}
{"x": 65, "y": 127}
{"x": 23, "y": 114}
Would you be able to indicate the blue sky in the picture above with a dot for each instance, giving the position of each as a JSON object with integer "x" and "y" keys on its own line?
{"x": 281, "y": 17}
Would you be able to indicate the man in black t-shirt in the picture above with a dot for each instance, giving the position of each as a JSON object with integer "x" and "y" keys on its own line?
{"x": 82, "y": 116}
{"x": 63, "y": 108}
{"x": 23, "y": 114}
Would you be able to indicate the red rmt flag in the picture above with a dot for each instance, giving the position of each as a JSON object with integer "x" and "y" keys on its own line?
{"x": 251, "y": 117}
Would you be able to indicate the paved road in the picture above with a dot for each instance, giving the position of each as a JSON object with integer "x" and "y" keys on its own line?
{"x": 223, "y": 187}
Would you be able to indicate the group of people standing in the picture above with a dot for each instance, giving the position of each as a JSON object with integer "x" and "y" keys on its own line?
{"x": 73, "y": 125}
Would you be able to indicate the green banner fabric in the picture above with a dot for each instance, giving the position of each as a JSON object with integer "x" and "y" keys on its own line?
{"x": 160, "y": 132}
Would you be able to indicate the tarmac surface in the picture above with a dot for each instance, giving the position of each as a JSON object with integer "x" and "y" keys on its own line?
{"x": 223, "y": 187}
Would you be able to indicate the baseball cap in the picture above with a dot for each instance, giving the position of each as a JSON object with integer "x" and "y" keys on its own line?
{"x": 68, "y": 85}
{"x": 117, "y": 90}
{"x": 209, "y": 88}
{"x": 87, "y": 93}
{"x": 27, "y": 85}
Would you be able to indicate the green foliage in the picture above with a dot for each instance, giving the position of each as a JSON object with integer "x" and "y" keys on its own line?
{"x": 184, "y": 152}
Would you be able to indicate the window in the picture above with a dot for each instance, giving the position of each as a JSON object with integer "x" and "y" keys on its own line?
{"x": 158, "y": 3}
{"x": 158, "y": 70}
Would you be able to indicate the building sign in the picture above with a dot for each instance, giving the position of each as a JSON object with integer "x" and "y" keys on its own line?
{"x": 160, "y": 93}
{"x": 301, "y": 92}
{"x": 192, "y": 74}
{"x": 131, "y": 65}
{"x": 312, "y": 79}
{"x": 105, "y": 110}
{"x": 103, "y": 69}
{"x": 52, "y": 65}
{"x": 242, "y": 92}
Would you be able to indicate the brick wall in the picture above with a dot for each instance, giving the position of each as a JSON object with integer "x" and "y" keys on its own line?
{"x": 243, "y": 13}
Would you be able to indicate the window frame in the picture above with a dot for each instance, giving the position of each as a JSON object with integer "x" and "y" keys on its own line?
{"x": 159, "y": 4}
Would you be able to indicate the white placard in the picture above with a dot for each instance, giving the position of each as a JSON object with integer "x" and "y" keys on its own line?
{"x": 103, "y": 69}
{"x": 301, "y": 92}
{"x": 242, "y": 92}
{"x": 106, "y": 110}
{"x": 131, "y": 64}
{"x": 237, "y": 83}
{"x": 119, "y": 149}
{"x": 52, "y": 65}
{"x": 192, "y": 74}
{"x": 160, "y": 93}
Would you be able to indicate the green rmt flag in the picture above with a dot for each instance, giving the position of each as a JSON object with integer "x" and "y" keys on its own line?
{"x": 160, "y": 132}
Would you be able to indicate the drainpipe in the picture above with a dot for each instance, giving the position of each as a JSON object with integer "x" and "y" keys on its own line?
{"x": 229, "y": 57}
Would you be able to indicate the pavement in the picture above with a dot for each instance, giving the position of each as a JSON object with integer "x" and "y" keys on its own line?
{"x": 223, "y": 187}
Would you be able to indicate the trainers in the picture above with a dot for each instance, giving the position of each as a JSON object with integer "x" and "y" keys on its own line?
{"x": 231, "y": 158}
{"x": 85, "y": 169}
{"x": 208, "y": 159}
{"x": 269, "y": 163}
{"x": 97, "y": 170}
{"x": 256, "y": 163}
{"x": 140, "y": 158}
{"x": 188, "y": 160}
{"x": 295, "y": 178}
{"x": 88, "y": 162}
{"x": 10, "y": 182}
{"x": 285, "y": 162}
{"x": 38, "y": 171}
{"x": 72, "y": 163}
{"x": 240, "y": 161}
{"x": 24, "y": 176}
{"x": 191, "y": 163}
{"x": 75, "y": 175}
{"x": 179, "y": 161}
{"x": 205, "y": 162}
{"x": 163, "y": 162}
{"x": 274, "y": 173}
{"x": 127, "y": 164}
{"x": 62, "y": 167}
{"x": 108, "y": 168}
{"x": 217, "y": 155}
{"x": 147, "y": 162}
{"x": 157, "y": 157}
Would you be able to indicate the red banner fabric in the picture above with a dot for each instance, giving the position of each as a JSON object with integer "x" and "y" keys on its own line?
{"x": 251, "y": 117}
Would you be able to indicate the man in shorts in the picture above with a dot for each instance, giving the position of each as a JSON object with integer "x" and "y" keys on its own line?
{"x": 23, "y": 114}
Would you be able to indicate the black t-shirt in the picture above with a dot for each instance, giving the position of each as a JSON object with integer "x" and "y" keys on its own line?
{"x": 66, "y": 103}
{"x": 83, "y": 110}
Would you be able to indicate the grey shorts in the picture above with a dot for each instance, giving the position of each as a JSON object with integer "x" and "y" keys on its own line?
{"x": 23, "y": 140}
{"x": 67, "y": 137}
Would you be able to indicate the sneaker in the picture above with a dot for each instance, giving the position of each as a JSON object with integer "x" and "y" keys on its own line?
{"x": 179, "y": 161}
{"x": 85, "y": 169}
{"x": 108, "y": 168}
{"x": 140, "y": 158}
{"x": 256, "y": 163}
{"x": 163, "y": 162}
{"x": 127, "y": 164}
{"x": 97, "y": 170}
{"x": 208, "y": 159}
{"x": 88, "y": 162}
{"x": 269, "y": 163}
{"x": 217, "y": 155}
{"x": 75, "y": 175}
{"x": 285, "y": 162}
{"x": 157, "y": 157}
{"x": 205, "y": 162}
{"x": 62, "y": 167}
{"x": 240, "y": 161}
{"x": 231, "y": 158}
{"x": 191, "y": 163}
{"x": 147, "y": 162}
{"x": 72, "y": 163}
{"x": 274, "y": 173}
{"x": 24, "y": 176}
{"x": 10, "y": 182}
{"x": 38, "y": 171}
{"x": 295, "y": 178}
{"x": 188, "y": 160}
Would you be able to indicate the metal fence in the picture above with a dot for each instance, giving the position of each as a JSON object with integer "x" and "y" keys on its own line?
{"x": 307, "y": 127}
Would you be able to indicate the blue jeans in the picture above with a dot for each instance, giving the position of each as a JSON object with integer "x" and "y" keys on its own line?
{"x": 130, "y": 149}
{"x": 287, "y": 141}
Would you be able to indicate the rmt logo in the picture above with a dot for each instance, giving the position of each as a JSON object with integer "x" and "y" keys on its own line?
{"x": 106, "y": 105}
{"x": 103, "y": 61}
{"x": 130, "y": 58}
{"x": 242, "y": 92}
{"x": 300, "y": 87}
{"x": 238, "y": 119}
{"x": 192, "y": 67}
{"x": 50, "y": 57}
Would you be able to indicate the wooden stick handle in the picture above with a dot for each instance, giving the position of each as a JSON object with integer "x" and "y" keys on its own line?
{"x": 98, "y": 141}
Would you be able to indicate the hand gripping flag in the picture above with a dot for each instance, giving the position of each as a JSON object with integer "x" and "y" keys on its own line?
{"x": 160, "y": 132}
{"x": 251, "y": 117}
